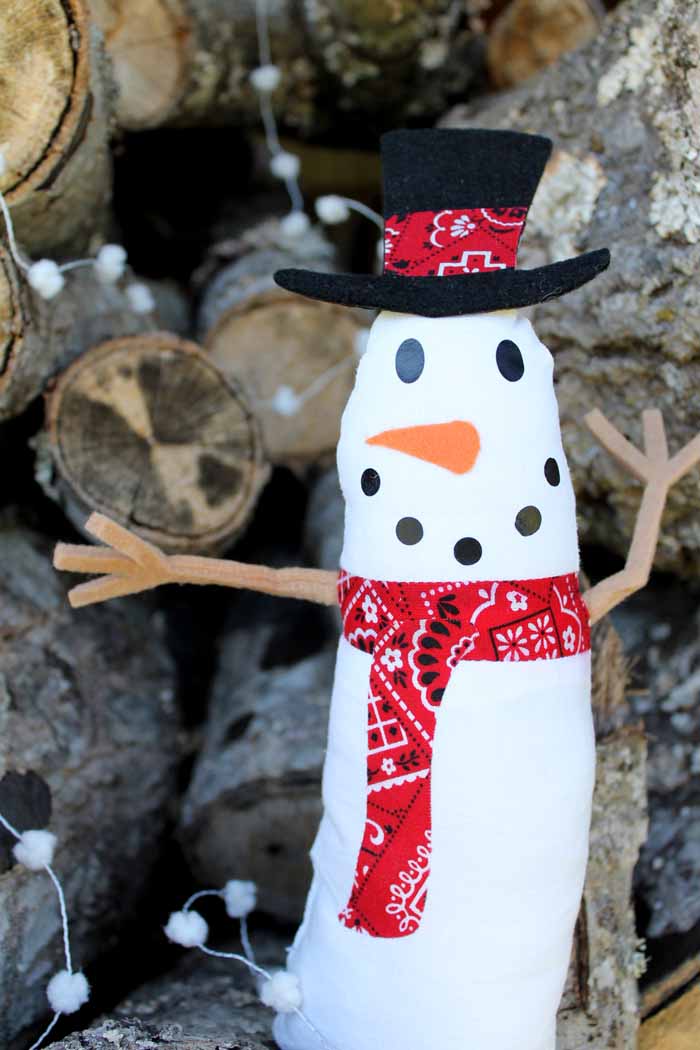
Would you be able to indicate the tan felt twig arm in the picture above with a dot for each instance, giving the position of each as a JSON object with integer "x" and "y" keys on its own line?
{"x": 131, "y": 564}
{"x": 659, "y": 472}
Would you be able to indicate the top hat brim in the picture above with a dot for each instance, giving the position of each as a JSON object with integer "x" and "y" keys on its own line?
{"x": 471, "y": 293}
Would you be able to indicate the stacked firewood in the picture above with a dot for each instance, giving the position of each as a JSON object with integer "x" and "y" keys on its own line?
{"x": 176, "y": 741}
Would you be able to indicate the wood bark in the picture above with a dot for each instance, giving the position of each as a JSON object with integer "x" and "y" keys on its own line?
{"x": 38, "y": 339}
{"x": 273, "y": 342}
{"x": 149, "y": 431}
{"x": 54, "y": 114}
{"x": 188, "y": 61}
{"x": 531, "y": 34}
{"x": 88, "y": 745}
{"x": 623, "y": 112}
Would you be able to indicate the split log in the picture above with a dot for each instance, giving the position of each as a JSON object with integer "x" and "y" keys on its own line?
{"x": 189, "y": 61}
{"x": 676, "y": 1027}
{"x": 54, "y": 115}
{"x": 38, "y": 339}
{"x": 149, "y": 431}
{"x": 136, "y": 1035}
{"x": 87, "y": 723}
{"x": 531, "y": 34}
{"x": 294, "y": 357}
{"x": 623, "y": 114}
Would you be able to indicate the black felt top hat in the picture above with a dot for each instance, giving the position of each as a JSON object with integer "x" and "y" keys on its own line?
{"x": 455, "y": 205}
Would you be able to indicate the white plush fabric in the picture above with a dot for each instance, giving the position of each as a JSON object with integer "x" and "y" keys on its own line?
{"x": 514, "y": 751}
{"x": 513, "y": 773}
{"x": 518, "y": 425}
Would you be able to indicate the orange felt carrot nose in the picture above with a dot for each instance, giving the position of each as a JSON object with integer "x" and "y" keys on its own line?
{"x": 453, "y": 446}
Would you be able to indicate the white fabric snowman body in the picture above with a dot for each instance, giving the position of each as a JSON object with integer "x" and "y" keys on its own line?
{"x": 513, "y": 750}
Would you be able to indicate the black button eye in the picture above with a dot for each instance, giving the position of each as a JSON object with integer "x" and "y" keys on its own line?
{"x": 528, "y": 521}
{"x": 551, "y": 471}
{"x": 467, "y": 551}
{"x": 409, "y": 531}
{"x": 410, "y": 360}
{"x": 370, "y": 482}
{"x": 510, "y": 361}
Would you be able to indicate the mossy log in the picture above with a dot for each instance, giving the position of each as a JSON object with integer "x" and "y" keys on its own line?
{"x": 55, "y": 99}
{"x": 189, "y": 61}
{"x": 623, "y": 113}
{"x": 147, "y": 430}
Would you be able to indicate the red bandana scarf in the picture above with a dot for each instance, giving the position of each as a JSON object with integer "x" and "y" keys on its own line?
{"x": 416, "y": 633}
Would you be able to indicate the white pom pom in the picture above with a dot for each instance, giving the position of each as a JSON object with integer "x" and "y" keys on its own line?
{"x": 282, "y": 992}
{"x": 45, "y": 278}
{"x": 285, "y": 402}
{"x": 331, "y": 209}
{"x": 110, "y": 262}
{"x": 285, "y": 165}
{"x": 35, "y": 849}
{"x": 67, "y": 992}
{"x": 240, "y": 898}
{"x": 294, "y": 225}
{"x": 187, "y": 928}
{"x": 3, "y": 165}
{"x": 266, "y": 78}
{"x": 140, "y": 298}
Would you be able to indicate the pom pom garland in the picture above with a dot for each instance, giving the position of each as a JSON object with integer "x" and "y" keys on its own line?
{"x": 140, "y": 298}
{"x": 282, "y": 991}
{"x": 266, "y": 78}
{"x": 284, "y": 165}
{"x": 110, "y": 263}
{"x": 187, "y": 928}
{"x": 35, "y": 849}
{"x": 240, "y": 898}
{"x": 295, "y": 224}
{"x": 46, "y": 278}
{"x": 331, "y": 209}
{"x": 285, "y": 402}
{"x": 67, "y": 992}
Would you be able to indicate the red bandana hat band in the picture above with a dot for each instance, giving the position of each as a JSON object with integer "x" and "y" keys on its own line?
{"x": 453, "y": 241}
{"x": 416, "y": 634}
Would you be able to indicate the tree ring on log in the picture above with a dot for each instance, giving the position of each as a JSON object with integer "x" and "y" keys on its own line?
{"x": 45, "y": 100}
{"x": 273, "y": 340}
{"x": 149, "y": 431}
{"x": 147, "y": 42}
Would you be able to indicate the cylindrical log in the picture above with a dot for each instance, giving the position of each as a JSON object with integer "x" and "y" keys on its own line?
{"x": 38, "y": 339}
{"x": 189, "y": 61}
{"x": 87, "y": 723}
{"x": 295, "y": 357}
{"x": 54, "y": 113}
{"x": 623, "y": 114}
{"x": 147, "y": 430}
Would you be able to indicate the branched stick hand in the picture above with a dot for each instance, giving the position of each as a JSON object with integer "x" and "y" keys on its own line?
{"x": 129, "y": 564}
{"x": 658, "y": 472}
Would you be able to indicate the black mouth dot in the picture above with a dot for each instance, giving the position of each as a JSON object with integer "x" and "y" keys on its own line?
{"x": 467, "y": 551}
{"x": 370, "y": 482}
{"x": 528, "y": 521}
{"x": 409, "y": 531}
{"x": 551, "y": 471}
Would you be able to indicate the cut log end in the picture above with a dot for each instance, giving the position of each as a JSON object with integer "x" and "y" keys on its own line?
{"x": 44, "y": 88}
{"x": 147, "y": 430}
{"x": 11, "y": 321}
{"x": 147, "y": 42}
{"x": 297, "y": 360}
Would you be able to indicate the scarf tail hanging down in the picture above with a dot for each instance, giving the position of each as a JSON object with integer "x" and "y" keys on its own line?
{"x": 416, "y": 634}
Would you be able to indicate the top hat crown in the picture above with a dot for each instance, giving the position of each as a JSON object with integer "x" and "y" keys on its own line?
{"x": 455, "y": 206}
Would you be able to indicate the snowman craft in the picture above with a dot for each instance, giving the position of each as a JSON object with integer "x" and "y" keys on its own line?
{"x": 449, "y": 864}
